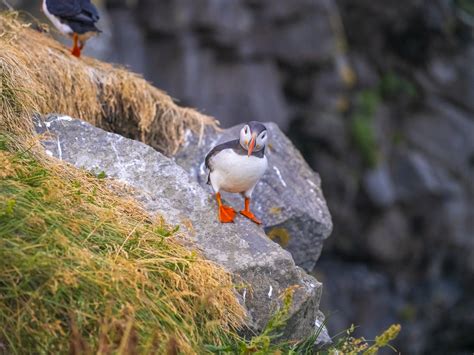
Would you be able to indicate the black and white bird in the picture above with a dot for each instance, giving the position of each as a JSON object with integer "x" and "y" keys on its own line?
{"x": 73, "y": 18}
{"x": 237, "y": 166}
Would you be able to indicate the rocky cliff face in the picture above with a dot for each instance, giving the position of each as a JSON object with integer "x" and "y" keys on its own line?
{"x": 263, "y": 270}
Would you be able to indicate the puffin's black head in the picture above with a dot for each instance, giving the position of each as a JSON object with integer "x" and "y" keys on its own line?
{"x": 253, "y": 137}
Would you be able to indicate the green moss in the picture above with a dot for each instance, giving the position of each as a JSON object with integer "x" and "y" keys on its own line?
{"x": 279, "y": 235}
{"x": 391, "y": 87}
{"x": 362, "y": 125}
{"x": 394, "y": 85}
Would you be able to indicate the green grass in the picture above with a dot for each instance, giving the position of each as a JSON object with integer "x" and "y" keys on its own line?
{"x": 81, "y": 268}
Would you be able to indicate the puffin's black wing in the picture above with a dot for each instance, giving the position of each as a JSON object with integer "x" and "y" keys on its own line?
{"x": 89, "y": 8}
{"x": 234, "y": 144}
{"x": 80, "y": 15}
{"x": 64, "y": 8}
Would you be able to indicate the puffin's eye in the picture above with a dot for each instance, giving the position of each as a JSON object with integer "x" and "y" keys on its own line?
{"x": 264, "y": 135}
{"x": 246, "y": 130}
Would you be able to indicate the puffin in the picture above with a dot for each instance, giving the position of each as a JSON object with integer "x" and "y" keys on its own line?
{"x": 73, "y": 18}
{"x": 237, "y": 166}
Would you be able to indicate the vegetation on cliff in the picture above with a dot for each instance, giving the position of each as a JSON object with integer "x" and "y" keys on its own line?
{"x": 39, "y": 76}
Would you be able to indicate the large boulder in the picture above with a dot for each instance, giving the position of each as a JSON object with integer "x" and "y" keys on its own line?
{"x": 288, "y": 199}
{"x": 166, "y": 189}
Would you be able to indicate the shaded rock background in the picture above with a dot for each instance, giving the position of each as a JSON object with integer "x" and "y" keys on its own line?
{"x": 379, "y": 96}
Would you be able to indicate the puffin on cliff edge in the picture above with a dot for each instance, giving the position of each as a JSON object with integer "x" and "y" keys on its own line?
{"x": 237, "y": 166}
{"x": 73, "y": 18}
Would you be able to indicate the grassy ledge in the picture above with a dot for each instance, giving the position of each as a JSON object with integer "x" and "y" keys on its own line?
{"x": 82, "y": 269}
{"x": 38, "y": 75}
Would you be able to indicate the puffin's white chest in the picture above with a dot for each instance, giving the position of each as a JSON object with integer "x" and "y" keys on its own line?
{"x": 62, "y": 27}
{"x": 233, "y": 172}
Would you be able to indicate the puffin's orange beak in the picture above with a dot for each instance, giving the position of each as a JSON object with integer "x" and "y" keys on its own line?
{"x": 251, "y": 145}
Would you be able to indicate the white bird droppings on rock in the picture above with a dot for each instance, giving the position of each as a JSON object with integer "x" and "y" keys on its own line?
{"x": 279, "y": 176}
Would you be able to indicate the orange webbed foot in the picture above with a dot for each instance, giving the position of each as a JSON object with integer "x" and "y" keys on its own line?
{"x": 250, "y": 216}
{"x": 226, "y": 214}
{"x": 246, "y": 212}
{"x": 76, "y": 50}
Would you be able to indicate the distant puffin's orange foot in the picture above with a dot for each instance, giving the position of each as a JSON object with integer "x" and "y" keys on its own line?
{"x": 226, "y": 214}
{"x": 250, "y": 216}
{"x": 76, "y": 51}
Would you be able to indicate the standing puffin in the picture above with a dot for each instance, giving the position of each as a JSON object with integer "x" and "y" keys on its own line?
{"x": 73, "y": 18}
{"x": 236, "y": 166}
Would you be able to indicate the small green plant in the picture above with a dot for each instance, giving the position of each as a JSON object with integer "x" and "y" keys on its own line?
{"x": 362, "y": 125}
{"x": 393, "y": 85}
{"x": 347, "y": 344}
{"x": 267, "y": 342}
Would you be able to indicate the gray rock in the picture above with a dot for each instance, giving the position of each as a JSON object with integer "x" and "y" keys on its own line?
{"x": 164, "y": 188}
{"x": 379, "y": 186}
{"x": 165, "y": 16}
{"x": 453, "y": 76}
{"x": 228, "y": 90}
{"x": 290, "y": 41}
{"x": 228, "y": 18}
{"x": 328, "y": 90}
{"x": 414, "y": 177}
{"x": 445, "y": 133}
{"x": 356, "y": 293}
{"x": 367, "y": 76}
{"x": 228, "y": 21}
{"x": 288, "y": 199}
{"x": 281, "y": 10}
{"x": 128, "y": 45}
{"x": 257, "y": 96}
{"x": 389, "y": 238}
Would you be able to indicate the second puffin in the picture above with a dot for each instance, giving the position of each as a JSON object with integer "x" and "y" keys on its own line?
{"x": 74, "y": 18}
{"x": 237, "y": 166}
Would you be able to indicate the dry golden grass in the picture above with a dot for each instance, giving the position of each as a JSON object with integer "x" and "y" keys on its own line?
{"x": 44, "y": 77}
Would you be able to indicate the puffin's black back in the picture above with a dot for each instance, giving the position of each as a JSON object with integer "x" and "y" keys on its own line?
{"x": 80, "y": 15}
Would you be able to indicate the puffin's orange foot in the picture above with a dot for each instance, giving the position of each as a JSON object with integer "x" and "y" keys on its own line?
{"x": 76, "y": 51}
{"x": 250, "y": 216}
{"x": 226, "y": 214}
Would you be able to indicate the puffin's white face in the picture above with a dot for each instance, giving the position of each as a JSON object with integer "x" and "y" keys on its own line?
{"x": 250, "y": 141}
